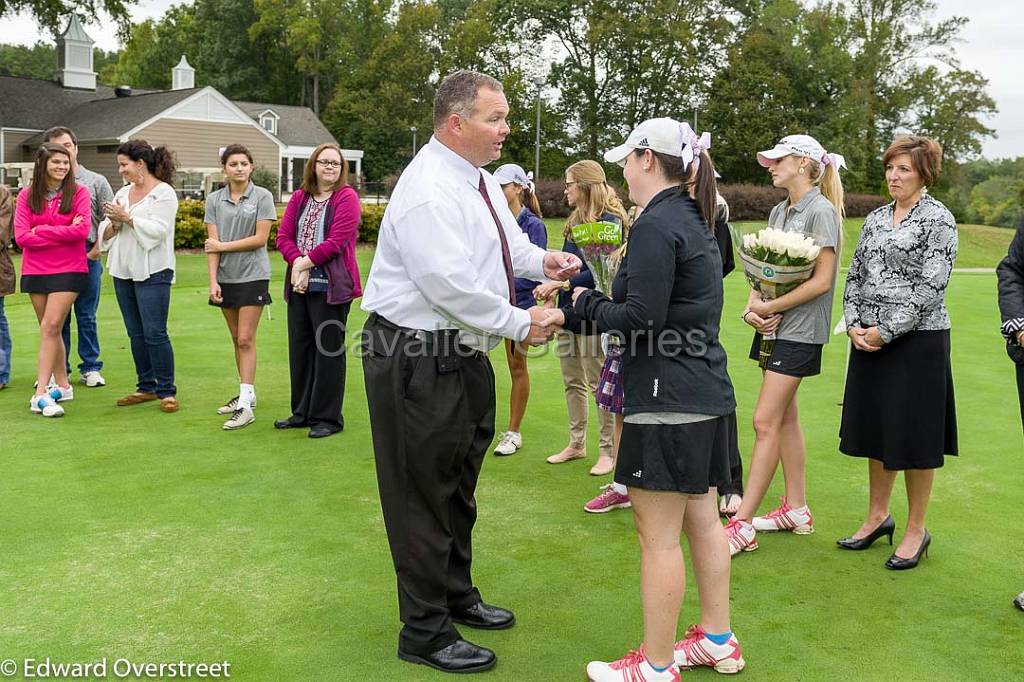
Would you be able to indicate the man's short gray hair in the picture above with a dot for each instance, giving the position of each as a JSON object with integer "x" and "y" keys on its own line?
{"x": 457, "y": 93}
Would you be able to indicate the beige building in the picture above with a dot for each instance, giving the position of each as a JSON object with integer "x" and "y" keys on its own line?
{"x": 194, "y": 123}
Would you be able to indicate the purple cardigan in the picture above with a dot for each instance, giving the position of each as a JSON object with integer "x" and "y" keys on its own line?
{"x": 337, "y": 253}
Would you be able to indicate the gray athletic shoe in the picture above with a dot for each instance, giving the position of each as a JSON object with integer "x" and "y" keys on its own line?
{"x": 243, "y": 416}
{"x": 230, "y": 406}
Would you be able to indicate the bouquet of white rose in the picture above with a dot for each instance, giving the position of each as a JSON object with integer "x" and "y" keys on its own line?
{"x": 599, "y": 243}
{"x": 775, "y": 262}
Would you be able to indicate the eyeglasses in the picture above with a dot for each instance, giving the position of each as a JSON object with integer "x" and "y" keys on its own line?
{"x": 570, "y": 184}
{"x": 328, "y": 164}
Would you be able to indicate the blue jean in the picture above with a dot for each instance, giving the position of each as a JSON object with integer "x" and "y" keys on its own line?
{"x": 144, "y": 308}
{"x": 5, "y": 346}
{"x": 85, "y": 318}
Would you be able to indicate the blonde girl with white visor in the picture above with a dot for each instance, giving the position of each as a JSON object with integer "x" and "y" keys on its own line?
{"x": 801, "y": 321}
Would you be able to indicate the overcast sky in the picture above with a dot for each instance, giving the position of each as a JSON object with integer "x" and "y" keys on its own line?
{"x": 991, "y": 45}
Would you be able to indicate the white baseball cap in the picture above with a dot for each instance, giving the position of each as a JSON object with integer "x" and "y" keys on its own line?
{"x": 664, "y": 135}
{"x": 510, "y": 173}
{"x": 800, "y": 145}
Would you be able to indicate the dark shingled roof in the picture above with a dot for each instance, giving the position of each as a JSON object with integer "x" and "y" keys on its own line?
{"x": 37, "y": 104}
{"x": 297, "y": 125}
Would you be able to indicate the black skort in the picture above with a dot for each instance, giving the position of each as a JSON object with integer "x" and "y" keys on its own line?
{"x": 792, "y": 358}
{"x": 244, "y": 294}
{"x": 73, "y": 282}
{"x": 682, "y": 458}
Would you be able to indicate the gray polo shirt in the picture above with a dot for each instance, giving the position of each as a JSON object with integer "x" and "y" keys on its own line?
{"x": 238, "y": 221}
{"x": 810, "y": 322}
{"x": 99, "y": 194}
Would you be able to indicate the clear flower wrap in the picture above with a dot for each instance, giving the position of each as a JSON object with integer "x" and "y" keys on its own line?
{"x": 775, "y": 262}
{"x": 600, "y": 245}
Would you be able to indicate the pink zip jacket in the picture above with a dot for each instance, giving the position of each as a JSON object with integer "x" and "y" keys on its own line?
{"x": 57, "y": 246}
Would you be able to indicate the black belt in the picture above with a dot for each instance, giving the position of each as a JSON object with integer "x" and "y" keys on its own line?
{"x": 441, "y": 342}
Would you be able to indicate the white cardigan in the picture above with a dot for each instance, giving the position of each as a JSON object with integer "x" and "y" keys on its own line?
{"x": 146, "y": 247}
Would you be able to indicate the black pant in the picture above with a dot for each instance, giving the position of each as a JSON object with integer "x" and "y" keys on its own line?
{"x": 316, "y": 358}
{"x": 431, "y": 430}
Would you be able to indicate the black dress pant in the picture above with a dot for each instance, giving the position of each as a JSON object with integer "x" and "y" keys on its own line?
{"x": 316, "y": 358}
{"x": 432, "y": 421}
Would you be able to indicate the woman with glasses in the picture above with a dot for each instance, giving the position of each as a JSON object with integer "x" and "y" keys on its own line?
{"x": 592, "y": 199}
{"x": 317, "y": 238}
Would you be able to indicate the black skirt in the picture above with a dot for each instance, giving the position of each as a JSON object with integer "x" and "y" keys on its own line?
{"x": 244, "y": 294}
{"x": 682, "y": 458}
{"x": 73, "y": 282}
{"x": 899, "y": 406}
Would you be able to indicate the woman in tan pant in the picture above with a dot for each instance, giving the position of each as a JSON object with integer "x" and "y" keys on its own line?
{"x": 579, "y": 351}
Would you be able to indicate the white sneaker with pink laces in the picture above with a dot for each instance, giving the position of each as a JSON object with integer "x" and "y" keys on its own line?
{"x": 633, "y": 667}
{"x": 786, "y": 517}
{"x": 741, "y": 535}
{"x": 695, "y": 649}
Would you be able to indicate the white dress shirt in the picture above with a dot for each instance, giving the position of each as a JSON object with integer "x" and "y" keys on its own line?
{"x": 146, "y": 246}
{"x": 438, "y": 263}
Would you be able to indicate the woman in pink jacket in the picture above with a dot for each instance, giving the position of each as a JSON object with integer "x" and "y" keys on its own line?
{"x": 317, "y": 238}
{"x": 51, "y": 225}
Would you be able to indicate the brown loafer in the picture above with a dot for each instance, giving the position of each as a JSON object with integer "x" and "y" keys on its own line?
{"x": 169, "y": 404}
{"x": 135, "y": 399}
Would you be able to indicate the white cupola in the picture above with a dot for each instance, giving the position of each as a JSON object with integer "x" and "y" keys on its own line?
{"x": 183, "y": 76}
{"x": 74, "y": 57}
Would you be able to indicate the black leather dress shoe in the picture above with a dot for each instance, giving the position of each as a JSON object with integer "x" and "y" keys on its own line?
{"x": 485, "y": 617}
{"x": 290, "y": 423}
{"x": 458, "y": 657}
{"x": 898, "y": 563}
{"x": 323, "y": 430}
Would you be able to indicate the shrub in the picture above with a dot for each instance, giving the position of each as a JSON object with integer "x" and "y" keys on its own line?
{"x": 189, "y": 231}
{"x": 369, "y": 226}
{"x": 268, "y": 179}
{"x": 755, "y": 202}
{"x": 191, "y": 208}
{"x": 551, "y": 195}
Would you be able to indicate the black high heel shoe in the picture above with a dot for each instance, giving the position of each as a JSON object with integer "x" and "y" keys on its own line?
{"x": 896, "y": 563}
{"x": 886, "y": 527}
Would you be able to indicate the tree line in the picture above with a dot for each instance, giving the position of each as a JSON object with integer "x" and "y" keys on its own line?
{"x": 853, "y": 74}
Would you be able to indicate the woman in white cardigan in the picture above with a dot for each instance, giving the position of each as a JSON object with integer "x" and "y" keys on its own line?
{"x": 139, "y": 235}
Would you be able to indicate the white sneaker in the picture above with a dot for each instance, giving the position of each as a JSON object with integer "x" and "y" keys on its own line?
{"x": 508, "y": 444}
{"x": 50, "y": 385}
{"x": 695, "y": 650}
{"x": 62, "y": 395}
{"x": 230, "y": 406}
{"x": 785, "y": 517}
{"x": 630, "y": 668}
{"x": 243, "y": 416}
{"x": 741, "y": 535}
{"x": 45, "y": 405}
{"x": 92, "y": 379}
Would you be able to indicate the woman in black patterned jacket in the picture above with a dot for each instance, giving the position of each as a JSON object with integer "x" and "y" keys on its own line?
{"x": 1011, "y": 308}
{"x": 898, "y": 410}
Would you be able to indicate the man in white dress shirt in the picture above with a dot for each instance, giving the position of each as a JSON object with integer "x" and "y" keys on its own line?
{"x": 439, "y": 296}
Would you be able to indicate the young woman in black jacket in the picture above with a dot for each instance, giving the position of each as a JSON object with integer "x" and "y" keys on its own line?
{"x": 666, "y": 305}
{"x": 1011, "y": 307}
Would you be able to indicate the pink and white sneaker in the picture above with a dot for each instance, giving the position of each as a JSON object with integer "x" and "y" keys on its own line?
{"x": 741, "y": 535}
{"x": 633, "y": 667}
{"x": 695, "y": 649}
{"x": 607, "y": 500}
{"x": 786, "y": 517}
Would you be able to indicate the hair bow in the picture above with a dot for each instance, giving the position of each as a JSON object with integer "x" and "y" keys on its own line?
{"x": 693, "y": 145}
{"x": 529, "y": 182}
{"x": 835, "y": 160}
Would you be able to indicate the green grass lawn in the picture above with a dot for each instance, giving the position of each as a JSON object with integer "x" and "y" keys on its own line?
{"x": 131, "y": 533}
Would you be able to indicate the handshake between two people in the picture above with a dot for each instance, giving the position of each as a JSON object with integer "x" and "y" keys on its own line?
{"x": 546, "y": 320}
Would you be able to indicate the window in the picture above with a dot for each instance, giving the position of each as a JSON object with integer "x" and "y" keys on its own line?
{"x": 269, "y": 124}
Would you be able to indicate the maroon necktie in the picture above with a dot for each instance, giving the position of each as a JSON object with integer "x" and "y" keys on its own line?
{"x": 506, "y": 257}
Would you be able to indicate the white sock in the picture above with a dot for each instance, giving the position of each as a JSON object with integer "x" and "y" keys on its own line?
{"x": 619, "y": 488}
{"x": 246, "y": 394}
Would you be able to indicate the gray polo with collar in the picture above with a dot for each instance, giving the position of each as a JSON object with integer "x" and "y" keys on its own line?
{"x": 810, "y": 322}
{"x": 99, "y": 194}
{"x": 238, "y": 221}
